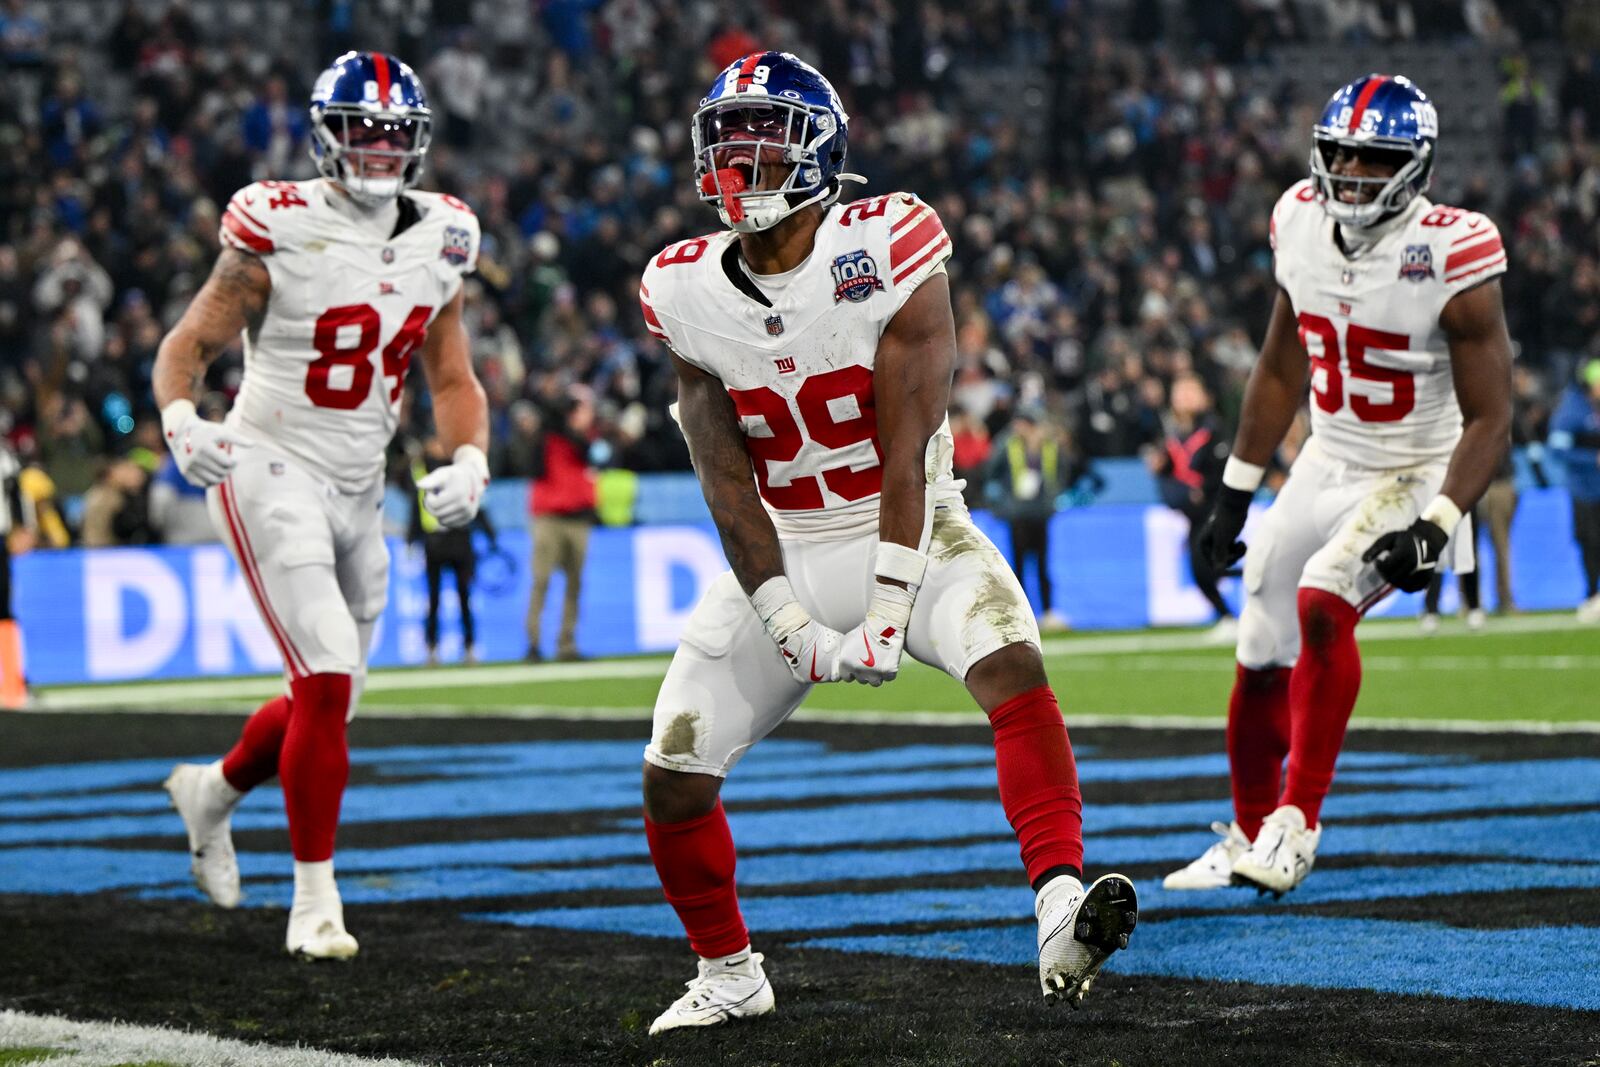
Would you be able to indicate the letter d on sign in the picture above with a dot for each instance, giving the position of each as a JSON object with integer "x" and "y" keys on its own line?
{"x": 657, "y": 553}
{"x": 111, "y": 578}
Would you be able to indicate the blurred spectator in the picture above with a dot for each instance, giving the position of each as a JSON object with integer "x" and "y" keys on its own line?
{"x": 178, "y": 511}
{"x": 275, "y": 129}
{"x": 16, "y": 537}
{"x": 1029, "y": 471}
{"x": 458, "y": 79}
{"x": 1188, "y": 469}
{"x": 561, "y": 500}
{"x": 971, "y": 454}
{"x": 116, "y": 507}
{"x": 1575, "y": 441}
{"x": 445, "y": 548}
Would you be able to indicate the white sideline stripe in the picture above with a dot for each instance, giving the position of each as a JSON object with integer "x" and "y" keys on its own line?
{"x": 83, "y": 697}
{"x": 109, "y": 1044}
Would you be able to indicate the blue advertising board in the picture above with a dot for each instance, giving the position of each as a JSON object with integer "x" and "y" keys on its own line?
{"x": 98, "y": 615}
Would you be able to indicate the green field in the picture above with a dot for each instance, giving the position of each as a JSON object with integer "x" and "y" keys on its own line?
{"x": 1530, "y": 669}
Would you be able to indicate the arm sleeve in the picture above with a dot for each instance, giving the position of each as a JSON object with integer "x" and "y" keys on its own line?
{"x": 1472, "y": 256}
{"x": 918, "y": 246}
{"x": 244, "y": 224}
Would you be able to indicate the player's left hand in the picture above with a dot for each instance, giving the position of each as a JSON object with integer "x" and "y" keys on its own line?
{"x": 871, "y": 652}
{"x": 1408, "y": 559}
{"x": 454, "y": 492}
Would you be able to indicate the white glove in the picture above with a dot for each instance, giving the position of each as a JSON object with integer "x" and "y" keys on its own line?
{"x": 871, "y": 652}
{"x": 203, "y": 450}
{"x": 810, "y": 649}
{"x": 453, "y": 493}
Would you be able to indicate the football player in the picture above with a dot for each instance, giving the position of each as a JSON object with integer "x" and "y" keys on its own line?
{"x": 335, "y": 282}
{"x": 1391, "y": 305}
{"x": 814, "y": 346}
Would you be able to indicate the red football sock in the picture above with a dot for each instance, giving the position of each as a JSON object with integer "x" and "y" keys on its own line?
{"x": 1322, "y": 694}
{"x": 695, "y": 862}
{"x": 254, "y": 757}
{"x": 1039, "y": 781}
{"x": 315, "y": 764}
{"x": 1258, "y": 739}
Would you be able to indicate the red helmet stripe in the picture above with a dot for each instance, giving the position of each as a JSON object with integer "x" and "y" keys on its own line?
{"x": 380, "y": 63}
{"x": 747, "y": 69}
{"x": 1363, "y": 99}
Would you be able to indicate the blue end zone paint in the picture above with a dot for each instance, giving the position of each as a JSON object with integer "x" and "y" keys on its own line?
{"x": 866, "y": 802}
{"x": 1548, "y": 966}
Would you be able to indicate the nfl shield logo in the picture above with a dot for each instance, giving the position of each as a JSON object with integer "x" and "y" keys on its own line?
{"x": 774, "y": 325}
{"x": 1416, "y": 263}
{"x": 388, "y": 255}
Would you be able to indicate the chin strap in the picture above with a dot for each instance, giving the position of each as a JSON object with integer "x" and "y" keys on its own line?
{"x": 735, "y": 212}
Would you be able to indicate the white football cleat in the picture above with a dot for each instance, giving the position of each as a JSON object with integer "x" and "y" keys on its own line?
{"x": 206, "y": 819}
{"x": 316, "y": 931}
{"x": 1224, "y": 632}
{"x": 1079, "y": 930}
{"x": 1282, "y": 855}
{"x": 1428, "y": 623}
{"x": 1214, "y": 868}
{"x": 1053, "y": 620}
{"x": 734, "y": 987}
{"x": 1476, "y": 619}
{"x": 1589, "y": 610}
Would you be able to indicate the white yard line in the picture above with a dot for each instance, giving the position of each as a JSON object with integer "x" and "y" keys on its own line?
{"x": 1068, "y": 653}
{"x": 75, "y": 1044}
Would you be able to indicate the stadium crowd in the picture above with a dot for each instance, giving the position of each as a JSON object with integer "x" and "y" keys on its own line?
{"x": 1108, "y": 194}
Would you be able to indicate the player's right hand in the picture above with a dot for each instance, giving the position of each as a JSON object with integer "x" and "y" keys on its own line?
{"x": 810, "y": 650}
{"x": 203, "y": 450}
{"x": 1219, "y": 534}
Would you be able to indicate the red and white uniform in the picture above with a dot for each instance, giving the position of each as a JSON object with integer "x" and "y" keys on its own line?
{"x": 1384, "y": 418}
{"x": 800, "y": 371}
{"x": 351, "y": 303}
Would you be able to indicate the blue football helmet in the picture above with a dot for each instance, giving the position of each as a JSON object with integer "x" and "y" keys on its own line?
{"x": 1386, "y": 116}
{"x": 769, "y": 109}
{"x": 369, "y": 98}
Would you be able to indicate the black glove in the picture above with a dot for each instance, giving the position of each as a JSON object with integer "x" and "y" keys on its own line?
{"x": 1408, "y": 559}
{"x": 1219, "y": 534}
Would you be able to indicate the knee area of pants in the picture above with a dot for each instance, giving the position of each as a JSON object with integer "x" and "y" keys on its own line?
{"x": 1321, "y": 622}
{"x": 335, "y": 646}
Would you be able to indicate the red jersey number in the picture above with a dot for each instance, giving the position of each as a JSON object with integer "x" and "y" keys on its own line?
{"x": 1328, "y": 386}
{"x": 819, "y": 421}
{"x": 288, "y": 195}
{"x": 358, "y": 326}
{"x": 685, "y": 252}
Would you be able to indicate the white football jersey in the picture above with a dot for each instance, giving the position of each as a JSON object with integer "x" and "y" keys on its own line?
{"x": 800, "y": 370}
{"x": 350, "y": 304}
{"x": 1382, "y": 392}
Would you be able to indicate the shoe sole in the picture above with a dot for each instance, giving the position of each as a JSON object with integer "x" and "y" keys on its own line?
{"x": 1261, "y": 886}
{"x": 1105, "y": 921}
{"x": 341, "y": 955}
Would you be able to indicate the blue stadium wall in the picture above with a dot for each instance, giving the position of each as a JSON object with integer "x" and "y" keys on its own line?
{"x": 100, "y": 615}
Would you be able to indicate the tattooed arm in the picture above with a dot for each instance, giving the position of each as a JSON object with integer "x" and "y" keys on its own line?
{"x": 711, "y": 426}
{"x": 233, "y": 298}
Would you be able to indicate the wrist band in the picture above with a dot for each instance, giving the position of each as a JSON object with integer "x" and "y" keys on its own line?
{"x": 771, "y": 597}
{"x": 892, "y": 604}
{"x": 174, "y": 415}
{"x": 899, "y": 563}
{"x": 1241, "y": 475}
{"x": 1443, "y": 513}
{"x": 472, "y": 456}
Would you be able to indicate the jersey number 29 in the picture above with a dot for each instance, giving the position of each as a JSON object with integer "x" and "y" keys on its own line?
{"x": 1328, "y": 388}
{"x": 346, "y": 337}
{"x": 825, "y": 420}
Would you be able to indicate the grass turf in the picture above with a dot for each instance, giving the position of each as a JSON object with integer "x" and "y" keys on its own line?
{"x": 1492, "y": 676}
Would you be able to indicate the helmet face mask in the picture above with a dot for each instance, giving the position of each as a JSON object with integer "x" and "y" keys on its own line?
{"x": 371, "y": 144}
{"x": 768, "y": 140}
{"x": 1387, "y": 125}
